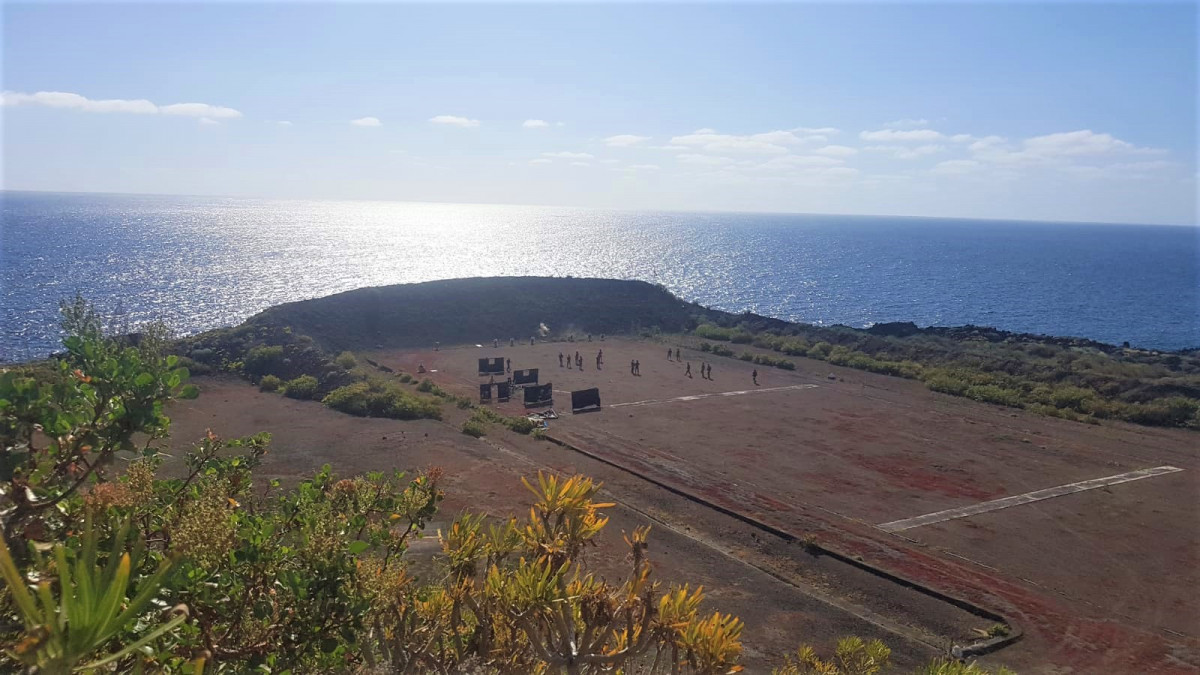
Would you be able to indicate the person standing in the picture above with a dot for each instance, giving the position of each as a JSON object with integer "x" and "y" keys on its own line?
{"x": 637, "y": 368}
{"x": 754, "y": 375}
{"x": 560, "y": 360}
{"x": 677, "y": 356}
{"x": 632, "y": 367}
{"x": 669, "y": 353}
{"x": 508, "y": 366}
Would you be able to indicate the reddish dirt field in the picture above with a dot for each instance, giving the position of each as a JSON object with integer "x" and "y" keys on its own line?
{"x": 1101, "y": 581}
{"x": 784, "y": 601}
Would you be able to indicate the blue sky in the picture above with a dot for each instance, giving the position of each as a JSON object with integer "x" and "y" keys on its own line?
{"x": 1028, "y": 111}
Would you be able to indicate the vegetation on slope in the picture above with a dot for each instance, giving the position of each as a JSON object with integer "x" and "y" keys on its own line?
{"x": 111, "y": 567}
{"x": 1073, "y": 379}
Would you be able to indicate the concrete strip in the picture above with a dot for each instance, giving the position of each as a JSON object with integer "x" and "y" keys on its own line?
{"x": 1028, "y": 497}
{"x": 697, "y": 397}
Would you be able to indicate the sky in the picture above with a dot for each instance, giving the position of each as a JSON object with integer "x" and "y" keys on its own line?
{"x": 1035, "y": 111}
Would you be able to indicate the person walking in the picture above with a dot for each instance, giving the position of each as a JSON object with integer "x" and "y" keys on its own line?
{"x": 688, "y": 372}
{"x": 637, "y": 368}
{"x": 754, "y": 375}
{"x": 677, "y": 356}
{"x": 632, "y": 367}
{"x": 560, "y": 360}
{"x": 669, "y": 353}
{"x": 508, "y": 366}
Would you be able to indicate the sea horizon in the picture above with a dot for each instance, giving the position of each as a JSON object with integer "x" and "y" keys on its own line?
{"x": 618, "y": 209}
{"x": 201, "y": 262}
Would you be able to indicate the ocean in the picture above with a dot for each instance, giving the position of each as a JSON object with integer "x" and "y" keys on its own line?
{"x": 204, "y": 262}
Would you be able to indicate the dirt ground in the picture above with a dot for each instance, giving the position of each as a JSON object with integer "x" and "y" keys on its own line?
{"x": 740, "y": 569}
{"x": 1101, "y": 581}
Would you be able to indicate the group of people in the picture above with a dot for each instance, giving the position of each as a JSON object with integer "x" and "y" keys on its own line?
{"x": 577, "y": 360}
{"x": 705, "y": 370}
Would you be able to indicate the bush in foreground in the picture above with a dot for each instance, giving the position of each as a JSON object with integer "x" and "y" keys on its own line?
{"x": 270, "y": 383}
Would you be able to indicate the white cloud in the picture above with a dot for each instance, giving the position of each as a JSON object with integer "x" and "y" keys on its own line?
{"x": 1153, "y": 165}
{"x": 67, "y": 100}
{"x": 204, "y": 121}
{"x": 955, "y": 167}
{"x": 787, "y": 162}
{"x": 985, "y": 143}
{"x": 1083, "y": 142}
{"x": 367, "y": 122}
{"x": 540, "y": 161}
{"x": 580, "y": 164}
{"x": 906, "y": 123}
{"x": 836, "y": 151}
{"x": 893, "y": 135}
{"x": 610, "y": 161}
{"x": 199, "y": 110}
{"x": 535, "y": 124}
{"x": 1064, "y": 149}
{"x": 455, "y": 121}
{"x": 766, "y": 143}
{"x": 705, "y": 130}
{"x": 703, "y": 160}
{"x": 625, "y": 140}
{"x": 667, "y": 147}
{"x": 906, "y": 152}
{"x": 962, "y": 138}
{"x": 645, "y": 167}
{"x": 569, "y": 155}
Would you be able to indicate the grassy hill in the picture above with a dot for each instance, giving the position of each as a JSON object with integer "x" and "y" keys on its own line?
{"x": 471, "y": 310}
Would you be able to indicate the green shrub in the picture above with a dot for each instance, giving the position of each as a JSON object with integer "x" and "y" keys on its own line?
{"x": 990, "y": 393}
{"x": 521, "y": 425}
{"x": 946, "y": 383}
{"x": 346, "y": 361}
{"x": 269, "y": 383}
{"x": 713, "y": 332}
{"x": 473, "y": 428}
{"x": 820, "y": 350}
{"x": 263, "y": 360}
{"x": 406, "y": 378}
{"x": 380, "y": 398}
{"x": 202, "y": 355}
{"x": 706, "y": 347}
{"x": 428, "y": 387}
{"x": 303, "y": 387}
{"x": 1071, "y": 397}
{"x": 741, "y": 337}
{"x": 721, "y": 350}
{"x": 785, "y": 364}
{"x": 746, "y": 356}
{"x": 483, "y": 415}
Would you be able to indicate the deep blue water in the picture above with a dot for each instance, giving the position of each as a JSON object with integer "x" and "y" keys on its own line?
{"x": 201, "y": 262}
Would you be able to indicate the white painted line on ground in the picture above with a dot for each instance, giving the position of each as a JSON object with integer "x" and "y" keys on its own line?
{"x": 697, "y": 397}
{"x": 1017, "y": 500}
